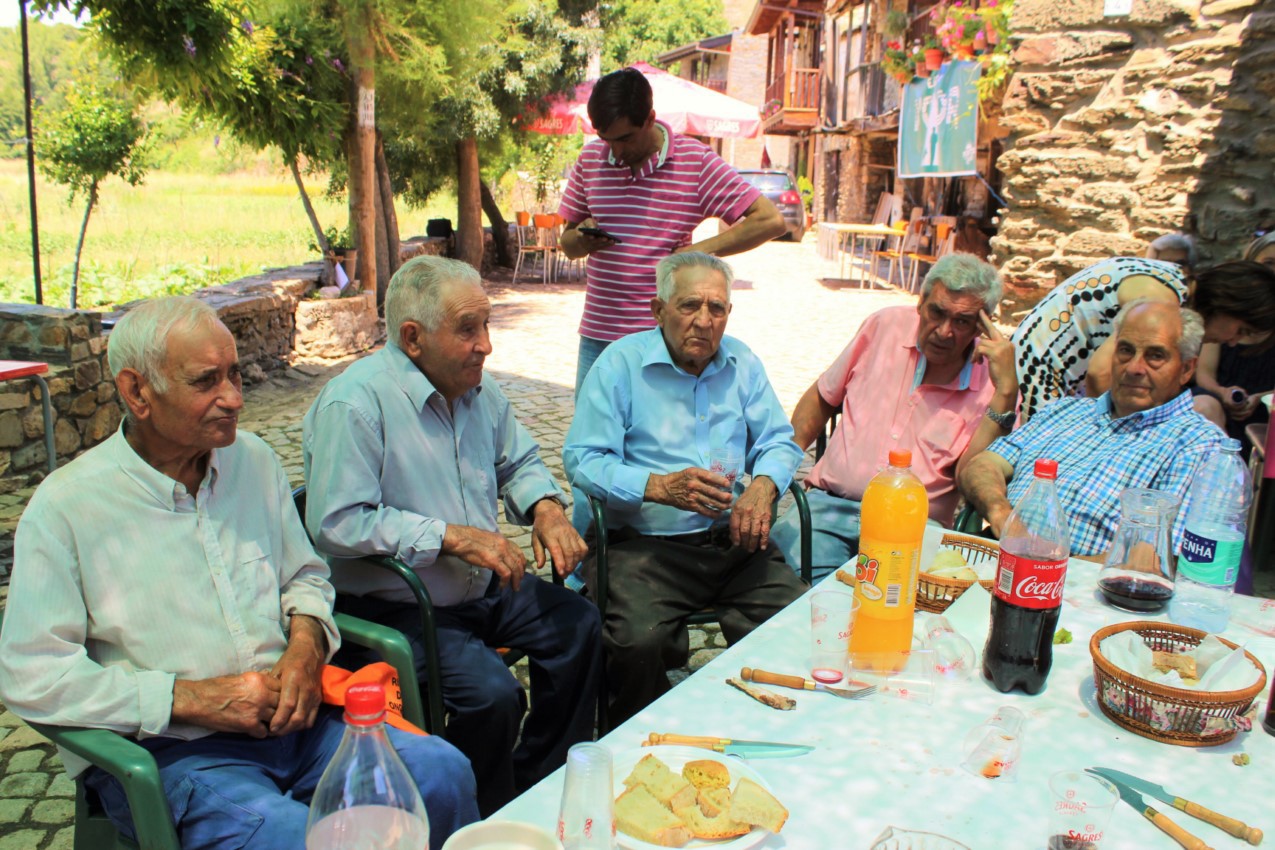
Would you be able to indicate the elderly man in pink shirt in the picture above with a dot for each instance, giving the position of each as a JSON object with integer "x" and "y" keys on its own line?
{"x": 938, "y": 381}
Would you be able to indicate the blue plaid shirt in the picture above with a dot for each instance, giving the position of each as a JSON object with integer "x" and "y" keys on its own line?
{"x": 1098, "y": 456}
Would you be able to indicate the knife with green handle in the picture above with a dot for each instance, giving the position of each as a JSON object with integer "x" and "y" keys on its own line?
{"x": 1162, "y": 821}
{"x": 1238, "y": 828}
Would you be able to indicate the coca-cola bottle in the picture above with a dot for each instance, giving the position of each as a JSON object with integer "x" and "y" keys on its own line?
{"x": 1027, "y": 595}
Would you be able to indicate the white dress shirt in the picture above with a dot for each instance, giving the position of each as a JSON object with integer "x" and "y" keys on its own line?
{"x": 123, "y": 582}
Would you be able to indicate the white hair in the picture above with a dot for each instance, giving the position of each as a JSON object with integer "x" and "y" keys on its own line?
{"x": 140, "y": 339}
{"x": 664, "y": 283}
{"x": 1174, "y": 242}
{"x": 1192, "y": 338}
{"x": 417, "y": 290}
{"x": 965, "y": 273}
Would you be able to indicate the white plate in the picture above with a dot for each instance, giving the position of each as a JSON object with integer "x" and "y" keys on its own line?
{"x": 676, "y": 758}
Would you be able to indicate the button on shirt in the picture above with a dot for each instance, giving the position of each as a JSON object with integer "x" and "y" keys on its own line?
{"x": 876, "y": 384}
{"x": 388, "y": 466}
{"x": 638, "y": 414}
{"x": 1099, "y": 455}
{"x": 123, "y": 582}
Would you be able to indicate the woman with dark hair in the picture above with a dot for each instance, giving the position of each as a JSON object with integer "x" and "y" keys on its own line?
{"x": 1065, "y": 344}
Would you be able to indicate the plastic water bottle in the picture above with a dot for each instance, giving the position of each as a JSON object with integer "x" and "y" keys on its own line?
{"x": 366, "y": 799}
{"x": 1213, "y": 541}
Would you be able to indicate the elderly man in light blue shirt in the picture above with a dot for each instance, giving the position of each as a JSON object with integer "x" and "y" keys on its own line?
{"x": 652, "y": 410}
{"x": 405, "y": 454}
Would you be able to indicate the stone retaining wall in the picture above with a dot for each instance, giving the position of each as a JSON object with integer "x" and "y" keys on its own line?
{"x": 1128, "y": 127}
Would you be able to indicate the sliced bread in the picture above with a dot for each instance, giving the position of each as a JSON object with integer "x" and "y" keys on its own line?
{"x": 644, "y": 771}
{"x": 706, "y": 773}
{"x": 711, "y": 828}
{"x": 753, "y": 804}
{"x": 639, "y": 814}
{"x": 713, "y": 801}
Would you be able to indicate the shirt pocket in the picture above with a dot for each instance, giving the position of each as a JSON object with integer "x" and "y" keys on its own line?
{"x": 258, "y": 583}
{"x": 941, "y": 438}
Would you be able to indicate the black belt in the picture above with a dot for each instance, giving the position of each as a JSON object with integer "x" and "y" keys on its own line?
{"x": 718, "y": 535}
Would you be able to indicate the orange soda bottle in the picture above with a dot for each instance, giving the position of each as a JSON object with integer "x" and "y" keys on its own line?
{"x": 892, "y": 521}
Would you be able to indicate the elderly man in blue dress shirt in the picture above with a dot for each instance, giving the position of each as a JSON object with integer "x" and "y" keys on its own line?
{"x": 405, "y": 455}
{"x": 653, "y": 408}
{"x": 163, "y": 588}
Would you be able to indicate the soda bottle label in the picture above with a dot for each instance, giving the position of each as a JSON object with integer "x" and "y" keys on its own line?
{"x": 1208, "y": 561}
{"x": 885, "y": 575}
{"x": 1029, "y": 583}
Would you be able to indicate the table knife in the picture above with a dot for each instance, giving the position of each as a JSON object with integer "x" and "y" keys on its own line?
{"x": 730, "y": 746}
{"x": 783, "y": 680}
{"x": 1238, "y": 828}
{"x": 1162, "y": 821}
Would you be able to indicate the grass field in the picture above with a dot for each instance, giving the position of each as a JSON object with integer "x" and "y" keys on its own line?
{"x": 174, "y": 233}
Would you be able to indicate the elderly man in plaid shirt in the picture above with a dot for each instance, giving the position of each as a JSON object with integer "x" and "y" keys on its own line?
{"x": 1143, "y": 432}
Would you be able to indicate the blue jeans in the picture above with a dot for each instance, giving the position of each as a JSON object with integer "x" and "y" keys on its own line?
{"x": 589, "y": 351}
{"x": 581, "y": 516}
{"x": 229, "y": 791}
{"x": 834, "y": 535}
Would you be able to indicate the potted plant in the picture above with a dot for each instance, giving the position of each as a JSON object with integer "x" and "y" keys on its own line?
{"x": 897, "y": 61}
{"x": 896, "y": 23}
{"x": 934, "y": 54}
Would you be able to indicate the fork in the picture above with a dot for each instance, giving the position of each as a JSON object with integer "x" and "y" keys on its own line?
{"x": 764, "y": 677}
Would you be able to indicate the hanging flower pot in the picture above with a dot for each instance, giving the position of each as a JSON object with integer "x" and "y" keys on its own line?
{"x": 992, "y": 35}
{"x": 964, "y": 51}
{"x": 933, "y": 58}
{"x": 980, "y": 41}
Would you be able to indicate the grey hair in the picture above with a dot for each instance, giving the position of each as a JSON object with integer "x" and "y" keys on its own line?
{"x": 664, "y": 283}
{"x": 139, "y": 340}
{"x": 965, "y": 273}
{"x": 417, "y": 290}
{"x": 1192, "y": 338}
{"x": 1174, "y": 242}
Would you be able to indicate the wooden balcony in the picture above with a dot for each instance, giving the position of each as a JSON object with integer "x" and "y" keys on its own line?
{"x": 792, "y": 102}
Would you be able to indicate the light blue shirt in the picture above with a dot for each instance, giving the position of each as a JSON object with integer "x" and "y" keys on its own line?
{"x": 388, "y": 466}
{"x": 639, "y": 414}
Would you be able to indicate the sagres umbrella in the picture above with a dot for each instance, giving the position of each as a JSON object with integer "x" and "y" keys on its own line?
{"x": 685, "y": 106}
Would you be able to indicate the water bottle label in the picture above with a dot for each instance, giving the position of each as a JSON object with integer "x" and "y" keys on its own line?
{"x": 1208, "y": 561}
{"x": 1029, "y": 583}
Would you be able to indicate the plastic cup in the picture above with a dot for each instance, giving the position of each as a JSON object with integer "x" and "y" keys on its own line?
{"x": 831, "y": 621}
{"x": 586, "y": 820}
{"x": 500, "y": 835}
{"x": 1080, "y": 808}
{"x": 726, "y": 462}
{"x": 916, "y": 681}
{"x": 994, "y": 747}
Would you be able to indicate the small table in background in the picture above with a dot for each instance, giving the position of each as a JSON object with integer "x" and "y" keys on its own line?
{"x": 12, "y": 370}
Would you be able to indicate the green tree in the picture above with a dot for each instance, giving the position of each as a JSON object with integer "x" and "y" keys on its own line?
{"x": 92, "y": 135}
{"x": 640, "y": 30}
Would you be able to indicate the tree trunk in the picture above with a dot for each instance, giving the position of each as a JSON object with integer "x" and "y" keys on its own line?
{"x": 469, "y": 208}
{"x": 319, "y": 239}
{"x": 389, "y": 217}
{"x": 499, "y": 227}
{"x": 382, "y": 281}
{"x": 79, "y": 245}
{"x": 358, "y": 35}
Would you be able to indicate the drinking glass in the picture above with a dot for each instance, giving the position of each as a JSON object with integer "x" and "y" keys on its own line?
{"x": 1139, "y": 571}
{"x": 831, "y": 621}
{"x": 1080, "y": 807}
{"x": 586, "y": 820}
{"x": 727, "y": 462}
{"x": 993, "y": 748}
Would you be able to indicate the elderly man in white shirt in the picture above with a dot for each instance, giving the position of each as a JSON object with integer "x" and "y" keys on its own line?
{"x": 163, "y": 588}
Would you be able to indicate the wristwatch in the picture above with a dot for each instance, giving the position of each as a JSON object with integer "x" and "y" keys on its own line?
{"x": 1004, "y": 420}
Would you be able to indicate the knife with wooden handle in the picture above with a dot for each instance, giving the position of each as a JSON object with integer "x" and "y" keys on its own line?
{"x": 1233, "y": 826}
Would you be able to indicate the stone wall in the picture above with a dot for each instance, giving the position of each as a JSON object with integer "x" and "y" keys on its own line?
{"x": 1126, "y": 128}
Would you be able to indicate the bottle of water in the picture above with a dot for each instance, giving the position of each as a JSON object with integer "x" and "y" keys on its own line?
{"x": 366, "y": 799}
{"x": 1213, "y": 541}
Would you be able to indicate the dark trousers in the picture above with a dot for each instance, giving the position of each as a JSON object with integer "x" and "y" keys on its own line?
{"x": 655, "y": 583}
{"x": 557, "y": 629}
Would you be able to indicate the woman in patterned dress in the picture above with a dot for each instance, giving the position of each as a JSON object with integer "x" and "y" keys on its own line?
{"x": 1064, "y": 345}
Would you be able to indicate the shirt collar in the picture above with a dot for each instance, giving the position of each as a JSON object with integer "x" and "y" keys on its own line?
{"x": 1179, "y": 405}
{"x": 415, "y": 385}
{"x": 161, "y": 488}
{"x": 660, "y": 157}
{"x": 656, "y": 353}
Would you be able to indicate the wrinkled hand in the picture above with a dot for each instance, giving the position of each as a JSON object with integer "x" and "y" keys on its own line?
{"x": 552, "y": 532}
{"x": 999, "y": 354}
{"x": 244, "y": 703}
{"x": 750, "y": 518}
{"x": 693, "y": 489}
{"x": 298, "y": 671}
{"x": 489, "y": 550}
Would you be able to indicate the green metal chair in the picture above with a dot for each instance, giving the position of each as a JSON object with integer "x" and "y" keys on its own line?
{"x": 968, "y": 521}
{"x": 137, "y": 772}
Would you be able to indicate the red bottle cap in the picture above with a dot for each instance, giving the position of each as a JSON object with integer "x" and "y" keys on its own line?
{"x": 900, "y": 457}
{"x": 365, "y": 704}
{"x": 1046, "y": 468}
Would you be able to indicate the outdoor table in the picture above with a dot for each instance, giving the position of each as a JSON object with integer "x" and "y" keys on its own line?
{"x": 847, "y": 235}
{"x": 13, "y": 369}
{"x": 884, "y": 761}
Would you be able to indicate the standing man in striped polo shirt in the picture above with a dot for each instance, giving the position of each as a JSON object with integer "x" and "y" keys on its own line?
{"x": 648, "y": 189}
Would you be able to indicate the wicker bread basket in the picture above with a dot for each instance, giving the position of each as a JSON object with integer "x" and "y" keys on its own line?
{"x": 935, "y": 593}
{"x": 1188, "y": 718}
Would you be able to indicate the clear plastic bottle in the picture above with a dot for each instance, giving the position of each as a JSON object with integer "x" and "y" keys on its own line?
{"x": 892, "y": 523}
{"x": 1212, "y": 541}
{"x": 366, "y": 799}
{"x": 1027, "y": 595}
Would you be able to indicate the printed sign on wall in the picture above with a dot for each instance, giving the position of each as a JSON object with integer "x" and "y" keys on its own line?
{"x": 938, "y": 123}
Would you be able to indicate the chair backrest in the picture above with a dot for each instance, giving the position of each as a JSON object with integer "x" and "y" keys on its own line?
{"x": 884, "y": 203}
{"x": 946, "y": 242}
{"x": 527, "y": 239}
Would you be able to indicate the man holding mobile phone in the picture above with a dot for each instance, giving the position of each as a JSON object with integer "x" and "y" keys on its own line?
{"x": 938, "y": 380}
{"x": 633, "y": 197}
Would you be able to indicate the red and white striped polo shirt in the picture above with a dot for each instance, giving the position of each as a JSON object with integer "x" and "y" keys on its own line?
{"x": 652, "y": 213}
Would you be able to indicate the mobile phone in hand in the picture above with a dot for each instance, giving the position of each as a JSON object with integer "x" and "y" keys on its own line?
{"x": 598, "y": 233}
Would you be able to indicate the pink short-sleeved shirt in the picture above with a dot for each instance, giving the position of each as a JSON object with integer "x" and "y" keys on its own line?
{"x": 872, "y": 383}
{"x": 652, "y": 214}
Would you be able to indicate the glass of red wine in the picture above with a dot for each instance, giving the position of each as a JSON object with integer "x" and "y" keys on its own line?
{"x": 1139, "y": 572}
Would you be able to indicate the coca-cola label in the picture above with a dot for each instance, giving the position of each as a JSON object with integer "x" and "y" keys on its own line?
{"x": 1029, "y": 583}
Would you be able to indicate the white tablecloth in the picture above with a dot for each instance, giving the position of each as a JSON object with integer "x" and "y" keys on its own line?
{"x": 885, "y": 761}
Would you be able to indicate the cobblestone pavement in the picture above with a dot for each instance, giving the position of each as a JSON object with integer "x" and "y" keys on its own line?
{"x": 787, "y": 306}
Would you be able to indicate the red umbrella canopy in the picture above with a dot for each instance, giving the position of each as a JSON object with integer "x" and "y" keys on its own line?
{"x": 685, "y": 106}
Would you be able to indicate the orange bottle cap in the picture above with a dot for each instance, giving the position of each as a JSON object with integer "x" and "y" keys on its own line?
{"x": 900, "y": 457}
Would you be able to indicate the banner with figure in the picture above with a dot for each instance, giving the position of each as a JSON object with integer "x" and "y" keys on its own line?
{"x": 938, "y": 123}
